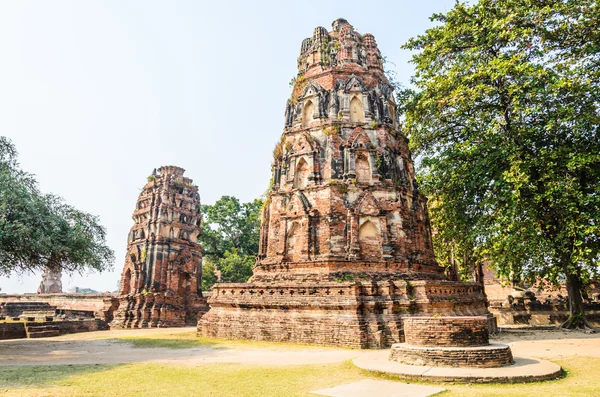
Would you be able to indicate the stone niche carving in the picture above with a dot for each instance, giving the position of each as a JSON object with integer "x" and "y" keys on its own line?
{"x": 345, "y": 242}
{"x": 162, "y": 277}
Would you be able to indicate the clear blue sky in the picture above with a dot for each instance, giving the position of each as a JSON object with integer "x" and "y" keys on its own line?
{"x": 96, "y": 94}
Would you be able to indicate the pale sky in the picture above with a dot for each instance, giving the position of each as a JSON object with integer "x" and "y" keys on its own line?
{"x": 96, "y": 94}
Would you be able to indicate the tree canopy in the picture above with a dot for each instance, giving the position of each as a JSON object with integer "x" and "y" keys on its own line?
{"x": 40, "y": 230}
{"x": 504, "y": 122}
{"x": 229, "y": 239}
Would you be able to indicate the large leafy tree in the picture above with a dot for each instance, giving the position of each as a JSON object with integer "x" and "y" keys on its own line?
{"x": 229, "y": 239}
{"x": 40, "y": 230}
{"x": 504, "y": 120}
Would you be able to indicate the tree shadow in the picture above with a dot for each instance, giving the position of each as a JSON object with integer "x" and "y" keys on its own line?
{"x": 170, "y": 343}
{"x": 21, "y": 376}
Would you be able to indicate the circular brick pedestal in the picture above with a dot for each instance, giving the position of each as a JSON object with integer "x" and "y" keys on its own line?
{"x": 449, "y": 341}
{"x": 490, "y": 356}
{"x": 446, "y": 331}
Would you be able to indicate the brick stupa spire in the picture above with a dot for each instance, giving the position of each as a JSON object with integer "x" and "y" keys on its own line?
{"x": 162, "y": 276}
{"x": 345, "y": 241}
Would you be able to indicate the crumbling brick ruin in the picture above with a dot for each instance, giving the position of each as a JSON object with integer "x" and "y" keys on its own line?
{"x": 345, "y": 244}
{"x": 51, "y": 282}
{"x": 161, "y": 279}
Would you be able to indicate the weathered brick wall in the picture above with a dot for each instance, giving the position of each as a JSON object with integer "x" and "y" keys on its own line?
{"x": 157, "y": 310}
{"x": 446, "y": 331}
{"x": 334, "y": 311}
{"x": 483, "y": 357}
{"x": 315, "y": 326}
{"x": 543, "y": 315}
{"x": 12, "y": 330}
{"x": 93, "y": 302}
{"x": 18, "y": 330}
{"x": 72, "y": 327}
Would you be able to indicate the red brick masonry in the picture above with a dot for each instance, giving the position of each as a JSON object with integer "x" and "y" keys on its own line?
{"x": 480, "y": 356}
{"x": 345, "y": 248}
{"x": 446, "y": 331}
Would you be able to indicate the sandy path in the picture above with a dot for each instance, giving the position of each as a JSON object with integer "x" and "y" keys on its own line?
{"x": 99, "y": 348}
{"x": 552, "y": 344}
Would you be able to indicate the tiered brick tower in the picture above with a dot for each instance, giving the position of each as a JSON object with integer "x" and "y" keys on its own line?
{"x": 161, "y": 280}
{"x": 346, "y": 247}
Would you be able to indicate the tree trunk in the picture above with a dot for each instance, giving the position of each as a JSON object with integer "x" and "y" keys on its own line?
{"x": 576, "y": 318}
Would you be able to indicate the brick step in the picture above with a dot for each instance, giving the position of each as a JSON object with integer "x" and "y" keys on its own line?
{"x": 41, "y": 330}
{"x": 42, "y": 327}
{"x": 38, "y": 313}
{"x": 43, "y": 334}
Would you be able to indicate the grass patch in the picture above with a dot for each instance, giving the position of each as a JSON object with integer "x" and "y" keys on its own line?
{"x": 42, "y": 375}
{"x": 581, "y": 380}
{"x": 213, "y": 380}
{"x": 218, "y": 380}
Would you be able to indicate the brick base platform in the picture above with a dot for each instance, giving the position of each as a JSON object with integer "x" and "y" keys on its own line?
{"x": 155, "y": 310}
{"x": 368, "y": 315}
{"x": 490, "y": 356}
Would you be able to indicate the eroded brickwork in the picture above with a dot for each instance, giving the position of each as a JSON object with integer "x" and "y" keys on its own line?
{"x": 482, "y": 357}
{"x": 161, "y": 279}
{"x": 51, "y": 282}
{"x": 446, "y": 331}
{"x": 345, "y": 243}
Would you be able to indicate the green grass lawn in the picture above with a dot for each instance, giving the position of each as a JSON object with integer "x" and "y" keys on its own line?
{"x": 216, "y": 380}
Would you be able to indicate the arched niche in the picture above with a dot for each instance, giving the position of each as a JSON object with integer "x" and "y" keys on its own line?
{"x": 369, "y": 241}
{"x": 307, "y": 114}
{"x": 301, "y": 174}
{"x": 363, "y": 168}
{"x": 126, "y": 283}
{"x": 184, "y": 284}
{"x": 293, "y": 249}
{"x": 393, "y": 113}
{"x": 357, "y": 113}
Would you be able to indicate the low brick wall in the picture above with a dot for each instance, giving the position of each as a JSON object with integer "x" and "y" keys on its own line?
{"x": 481, "y": 357}
{"x": 93, "y": 302}
{"x": 18, "y": 330}
{"x": 12, "y": 330}
{"x": 540, "y": 315}
{"x": 73, "y": 327}
{"x": 446, "y": 331}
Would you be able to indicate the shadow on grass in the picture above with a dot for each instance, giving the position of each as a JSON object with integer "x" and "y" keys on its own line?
{"x": 45, "y": 375}
{"x": 169, "y": 343}
{"x": 191, "y": 341}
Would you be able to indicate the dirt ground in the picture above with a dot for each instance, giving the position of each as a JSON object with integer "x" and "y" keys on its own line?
{"x": 102, "y": 348}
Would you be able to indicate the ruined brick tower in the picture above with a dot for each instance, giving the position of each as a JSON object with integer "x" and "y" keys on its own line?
{"x": 161, "y": 279}
{"x": 345, "y": 243}
{"x": 51, "y": 281}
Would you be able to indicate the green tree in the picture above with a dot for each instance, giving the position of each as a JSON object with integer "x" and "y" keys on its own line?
{"x": 504, "y": 122}
{"x": 38, "y": 230}
{"x": 209, "y": 275}
{"x": 229, "y": 239}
